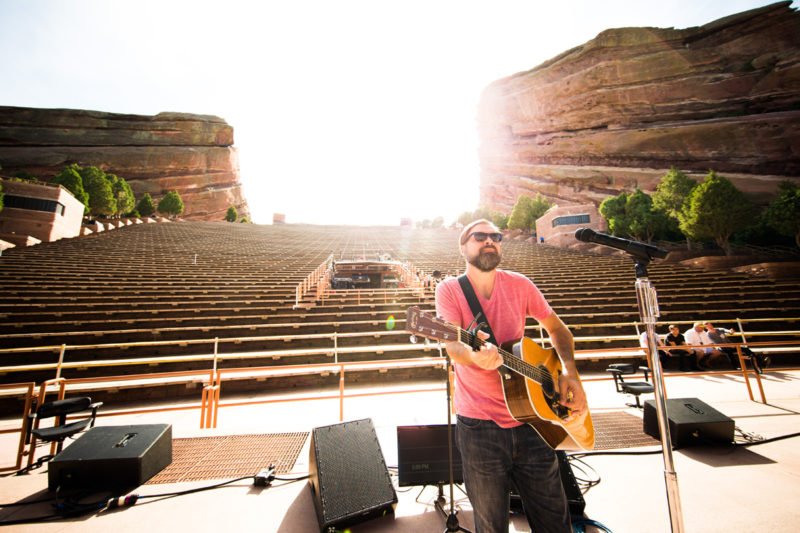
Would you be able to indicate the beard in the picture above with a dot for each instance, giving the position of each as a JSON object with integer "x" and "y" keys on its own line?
{"x": 486, "y": 260}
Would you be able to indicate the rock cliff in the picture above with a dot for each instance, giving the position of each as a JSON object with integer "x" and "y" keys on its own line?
{"x": 618, "y": 111}
{"x": 192, "y": 154}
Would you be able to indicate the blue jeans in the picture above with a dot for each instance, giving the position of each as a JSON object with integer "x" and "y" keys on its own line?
{"x": 493, "y": 458}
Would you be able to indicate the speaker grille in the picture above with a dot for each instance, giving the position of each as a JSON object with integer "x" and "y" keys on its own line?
{"x": 351, "y": 474}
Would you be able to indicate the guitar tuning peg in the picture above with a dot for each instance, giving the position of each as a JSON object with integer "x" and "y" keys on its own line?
{"x": 413, "y": 339}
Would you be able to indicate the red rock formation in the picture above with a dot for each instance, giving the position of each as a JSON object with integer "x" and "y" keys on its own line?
{"x": 192, "y": 154}
{"x": 617, "y": 112}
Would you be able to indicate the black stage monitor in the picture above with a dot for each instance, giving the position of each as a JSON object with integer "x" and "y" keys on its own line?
{"x": 422, "y": 456}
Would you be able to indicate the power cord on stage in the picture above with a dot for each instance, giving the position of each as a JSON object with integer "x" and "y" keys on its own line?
{"x": 766, "y": 441}
{"x": 751, "y": 439}
{"x": 584, "y": 483}
{"x": 72, "y": 507}
{"x": 580, "y": 524}
{"x": 33, "y": 466}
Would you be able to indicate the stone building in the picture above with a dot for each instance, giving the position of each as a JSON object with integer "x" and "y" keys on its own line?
{"x": 557, "y": 226}
{"x": 44, "y": 212}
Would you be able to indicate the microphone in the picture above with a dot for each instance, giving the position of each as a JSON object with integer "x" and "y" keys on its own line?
{"x": 635, "y": 248}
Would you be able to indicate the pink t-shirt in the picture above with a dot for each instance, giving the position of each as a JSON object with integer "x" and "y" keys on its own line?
{"x": 479, "y": 392}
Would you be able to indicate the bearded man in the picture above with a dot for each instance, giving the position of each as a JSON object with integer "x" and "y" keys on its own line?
{"x": 497, "y": 451}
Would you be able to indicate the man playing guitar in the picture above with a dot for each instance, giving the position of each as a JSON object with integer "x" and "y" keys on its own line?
{"x": 498, "y": 450}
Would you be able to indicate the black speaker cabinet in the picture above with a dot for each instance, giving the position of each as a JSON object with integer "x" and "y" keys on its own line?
{"x": 691, "y": 421}
{"x": 112, "y": 457}
{"x": 422, "y": 456}
{"x": 348, "y": 475}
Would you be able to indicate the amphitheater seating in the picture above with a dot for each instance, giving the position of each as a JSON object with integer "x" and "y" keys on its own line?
{"x": 183, "y": 297}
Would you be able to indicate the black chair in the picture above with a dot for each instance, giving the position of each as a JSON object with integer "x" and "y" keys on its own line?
{"x": 61, "y": 429}
{"x": 630, "y": 387}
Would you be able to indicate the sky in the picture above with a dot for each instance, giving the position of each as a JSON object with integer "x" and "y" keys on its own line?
{"x": 344, "y": 112}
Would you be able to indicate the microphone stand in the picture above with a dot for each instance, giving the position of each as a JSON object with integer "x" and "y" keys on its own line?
{"x": 452, "y": 517}
{"x": 647, "y": 299}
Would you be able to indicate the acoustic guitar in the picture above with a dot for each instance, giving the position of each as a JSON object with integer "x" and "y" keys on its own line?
{"x": 529, "y": 375}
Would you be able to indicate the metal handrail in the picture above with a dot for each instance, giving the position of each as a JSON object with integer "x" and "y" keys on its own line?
{"x": 210, "y": 400}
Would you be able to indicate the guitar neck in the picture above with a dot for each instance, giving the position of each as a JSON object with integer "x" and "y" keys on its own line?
{"x": 510, "y": 361}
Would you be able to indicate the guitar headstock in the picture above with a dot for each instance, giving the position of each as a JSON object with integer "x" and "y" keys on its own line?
{"x": 426, "y": 325}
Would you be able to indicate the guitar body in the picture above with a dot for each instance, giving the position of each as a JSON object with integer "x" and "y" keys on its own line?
{"x": 529, "y": 375}
{"x": 537, "y": 404}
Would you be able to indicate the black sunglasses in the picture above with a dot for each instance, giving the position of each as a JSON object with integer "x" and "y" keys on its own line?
{"x": 481, "y": 236}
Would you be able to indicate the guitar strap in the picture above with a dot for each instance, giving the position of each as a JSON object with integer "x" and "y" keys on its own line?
{"x": 475, "y": 307}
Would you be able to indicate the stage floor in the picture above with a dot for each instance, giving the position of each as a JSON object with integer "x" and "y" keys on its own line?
{"x": 733, "y": 488}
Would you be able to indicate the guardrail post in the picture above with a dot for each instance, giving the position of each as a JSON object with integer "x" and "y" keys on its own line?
{"x": 60, "y": 360}
{"x": 204, "y": 406}
{"x": 216, "y": 351}
{"x": 744, "y": 371}
{"x": 341, "y": 393}
{"x": 741, "y": 362}
{"x": 210, "y": 397}
{"x": 335, "y": 347}
{"x": 216, "y": 392}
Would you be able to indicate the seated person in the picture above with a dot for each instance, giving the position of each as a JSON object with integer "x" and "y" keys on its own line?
{"x": 697, "y": 336}
{"x": 720, "y": 336}
{"x": 690, "y": 355}
{"x": 662, "y": 355}
{"x": 717, "y": 336}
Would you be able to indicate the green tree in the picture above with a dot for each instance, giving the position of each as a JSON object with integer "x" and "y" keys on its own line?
{"x": 437, "y": 222}
{"x": 70, "y": 179}
{"x": 783, "y": 214}
{"x": 613, "y": 210}
{"x": 526, "y": 210}
{"x": 632, "y": 215}
{"x": 171, "y": 204}
{"x": 540, "y": 207}
{"x": 716, "y": 209}
{"x": 673, "y": 192}
{"x": 520, "y": 213}
{"x": 244, "y": 220}
{"x": 646, "y": 222}
{"x": 101, "y": 197}
{"x": 146, "y": 207}
{"x": 122, "y": 194}
{"x": 231, "y": 215}
{"x": 498, "y": 219}
{"x": 25, "y": 176}
{"x": 672, "y": 196}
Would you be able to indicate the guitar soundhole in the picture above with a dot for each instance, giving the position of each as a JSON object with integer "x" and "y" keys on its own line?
{"x": 550, "y": 393}
{"x": 548, "y": 386}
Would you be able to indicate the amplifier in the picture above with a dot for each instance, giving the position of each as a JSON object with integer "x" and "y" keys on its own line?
{"x": 691, "y": 421}
{"x": 423, "y": 457}
{"x": 112, "y": 458}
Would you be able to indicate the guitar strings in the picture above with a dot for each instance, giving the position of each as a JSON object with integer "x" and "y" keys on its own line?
{"x": 510, "y": 360}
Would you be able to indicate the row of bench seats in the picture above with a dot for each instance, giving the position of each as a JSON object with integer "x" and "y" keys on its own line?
{"x": 158, "y": 291}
